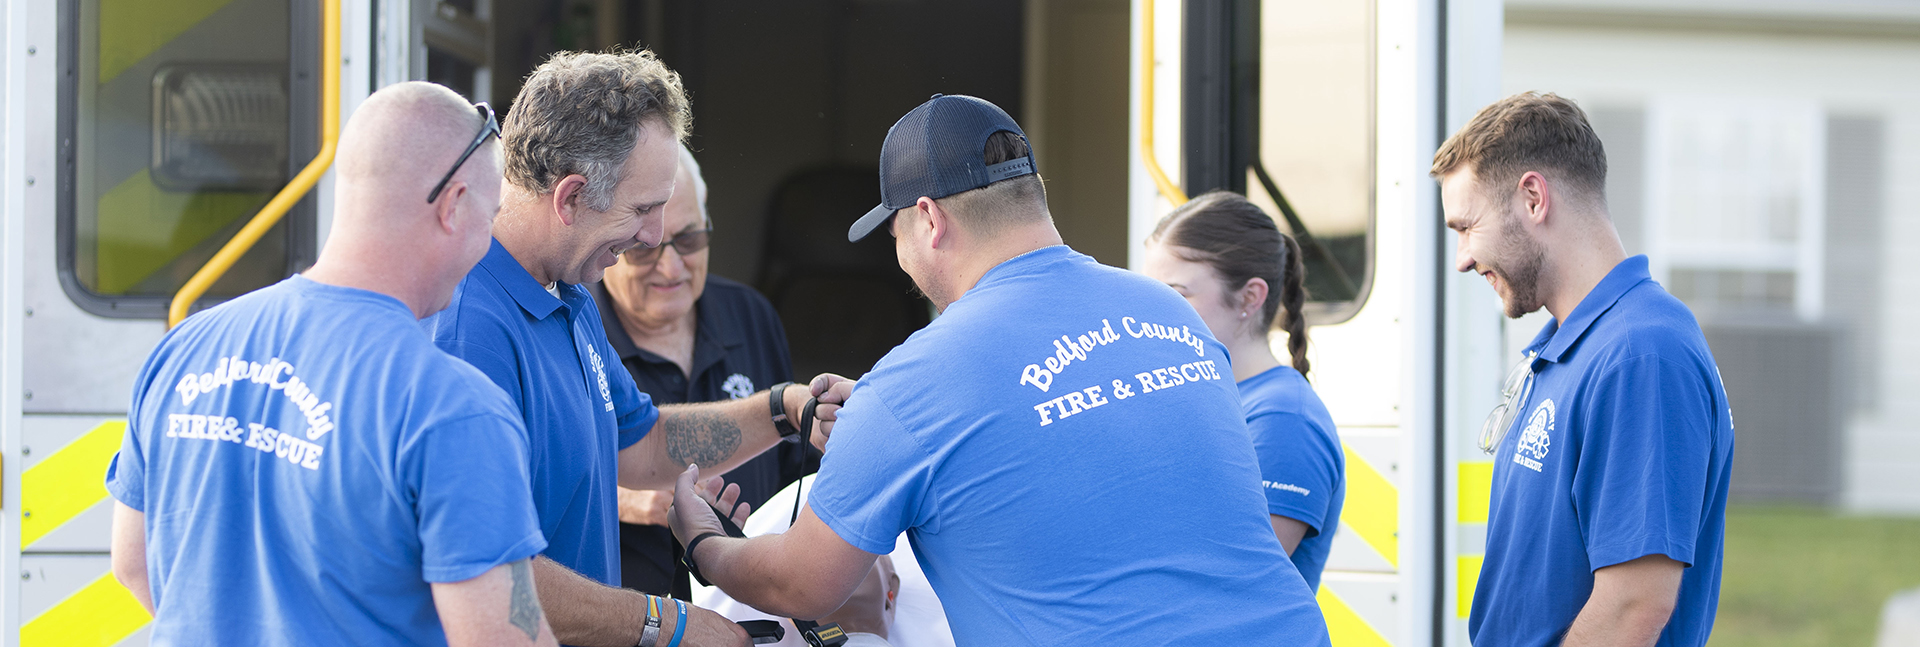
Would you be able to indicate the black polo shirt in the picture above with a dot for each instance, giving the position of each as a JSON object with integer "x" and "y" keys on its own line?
{"x": 739, "y": 348}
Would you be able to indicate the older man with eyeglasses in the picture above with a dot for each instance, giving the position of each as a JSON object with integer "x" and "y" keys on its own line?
{"x": 688, "y": 336}
{"x": 1613, "y": 442}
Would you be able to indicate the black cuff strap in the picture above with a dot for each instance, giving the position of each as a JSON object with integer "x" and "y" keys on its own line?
{"x": 777, "y": 409}
{"x": 686, "y": 557}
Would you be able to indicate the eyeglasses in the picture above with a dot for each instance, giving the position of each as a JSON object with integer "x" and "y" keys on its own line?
{"x": 492, "y": 128}
{"x": 1514, "y": 392}
{"x": 686, "y": 243}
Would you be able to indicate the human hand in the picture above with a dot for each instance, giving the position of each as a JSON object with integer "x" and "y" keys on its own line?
{"x": 645, "y": 507}
{"x": 870, "y": 609}
{"x": 726, "y": 496}
{"x": 694, "y": 501}
{"x": 832, "y": 391}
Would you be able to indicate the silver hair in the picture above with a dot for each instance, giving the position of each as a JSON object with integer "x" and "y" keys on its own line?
{"x": 699, "y": 183}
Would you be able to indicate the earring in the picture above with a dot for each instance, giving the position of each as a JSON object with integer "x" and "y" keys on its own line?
{"x": 1243, "y": 314}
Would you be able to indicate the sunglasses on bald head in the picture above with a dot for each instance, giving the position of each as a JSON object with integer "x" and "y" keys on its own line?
{"x": 488, "y": 127}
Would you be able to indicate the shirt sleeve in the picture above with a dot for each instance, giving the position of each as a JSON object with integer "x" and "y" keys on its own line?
{"x": 471, "y": 496}
{"x": 875, "y": 480}
{"x": 637, "y": 413}
{"x": 127, "y": 473}
{"x": 1646, "y": 444}
{"x": 1297, "y": 469}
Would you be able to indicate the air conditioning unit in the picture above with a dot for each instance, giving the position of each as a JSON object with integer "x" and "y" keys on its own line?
{"x": 1789, "y": 425}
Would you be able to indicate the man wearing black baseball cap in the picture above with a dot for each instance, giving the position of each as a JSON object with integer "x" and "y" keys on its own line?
{"x": 1063, "y": 445}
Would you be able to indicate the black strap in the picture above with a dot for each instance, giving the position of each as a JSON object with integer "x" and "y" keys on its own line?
{"x": 806, "y": 440}
{"x": 686, "y": 557}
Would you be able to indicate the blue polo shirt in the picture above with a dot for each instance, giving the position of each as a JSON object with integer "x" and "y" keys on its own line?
{"x": 552, "y": 358}
{"x": 1302, "y": 468}
{"x": 1065, "y": 449}
{"x": 309, "y": 464}
{"x": 1621, "y": 451}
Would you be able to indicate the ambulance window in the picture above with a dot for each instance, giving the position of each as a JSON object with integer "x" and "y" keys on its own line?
{"x": 180, "y": 119}
{"x": 1316, "y": 125}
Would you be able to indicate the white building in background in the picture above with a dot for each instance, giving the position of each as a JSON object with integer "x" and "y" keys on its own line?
{"x": 1766, "y": 155}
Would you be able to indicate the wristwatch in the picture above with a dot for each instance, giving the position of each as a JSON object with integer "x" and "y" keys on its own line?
{"x": 650, "y": 634}
{"x": 777, "y": 407}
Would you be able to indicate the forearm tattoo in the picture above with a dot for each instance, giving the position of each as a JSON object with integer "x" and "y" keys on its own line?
{"x": 523, "y": 610}
{"x": 694, "y": 435}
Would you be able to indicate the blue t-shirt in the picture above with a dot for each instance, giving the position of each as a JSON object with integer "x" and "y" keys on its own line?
{"x": 1302, "y": 469}
{"x": 552, "y": 358}
{"x": 1065, "y": 449}
{"x": 1621, "y": 451}
{"x": 308, "y": 463}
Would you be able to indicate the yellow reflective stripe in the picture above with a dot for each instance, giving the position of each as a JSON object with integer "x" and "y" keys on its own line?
{"x": 64, "y": 485}
{"x": 131, "y": 30}
{"x": 101, "y": 614}
{"x": 1467, "y": 580}
{"x": 1372, "y": 509}
{"x": 1476, "y": 491}
{"x": 1346, "y": 628}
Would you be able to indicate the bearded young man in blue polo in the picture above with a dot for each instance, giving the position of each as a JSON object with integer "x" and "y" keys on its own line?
{"x": 1021, "y": 439}
{"x": 1612, "y": 453}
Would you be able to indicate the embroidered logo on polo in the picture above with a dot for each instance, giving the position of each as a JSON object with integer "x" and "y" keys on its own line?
{"x": 600, "y": 375}
{"x": 738, "y": 386}
{"x": 1537, "y": 438}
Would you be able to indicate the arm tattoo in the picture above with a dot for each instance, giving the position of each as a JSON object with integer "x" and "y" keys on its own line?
{"x": 523, "y": 610}
{"x": 699, "y": 436}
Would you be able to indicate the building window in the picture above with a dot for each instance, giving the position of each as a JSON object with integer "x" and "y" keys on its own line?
{"x": 1736, "y": 197}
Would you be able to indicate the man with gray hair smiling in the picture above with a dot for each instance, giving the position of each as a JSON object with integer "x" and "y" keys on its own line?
{"x": 591, "y": 155}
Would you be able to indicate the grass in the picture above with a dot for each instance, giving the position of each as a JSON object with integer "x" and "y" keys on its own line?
{"x": 1805, "y": 576}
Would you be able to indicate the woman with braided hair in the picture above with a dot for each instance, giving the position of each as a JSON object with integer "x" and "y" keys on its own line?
{"x": 1244, "y": 276}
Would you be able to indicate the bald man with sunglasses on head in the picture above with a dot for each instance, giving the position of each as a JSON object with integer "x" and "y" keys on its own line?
{"x": 298, "y": 463}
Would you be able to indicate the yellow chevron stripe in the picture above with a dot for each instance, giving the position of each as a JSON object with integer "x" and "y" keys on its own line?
{"x": 132, "y": 29}
{"x": 64, "y": 485}
{"x": 1347, "y": 628}
{"x": 1373, "y": 507}
{"x": 1476, "y": 491}
{"x": 98, "y": 615}
{"x": 1467, "y": 580}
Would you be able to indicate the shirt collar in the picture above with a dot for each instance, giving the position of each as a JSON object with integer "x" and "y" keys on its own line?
{"x": 519, "y": 284}
{"x": 1560, "y": 338}
{"x": 710, "y": 341}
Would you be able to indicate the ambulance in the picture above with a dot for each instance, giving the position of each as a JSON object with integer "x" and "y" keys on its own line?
{"x": 160, "y": 156}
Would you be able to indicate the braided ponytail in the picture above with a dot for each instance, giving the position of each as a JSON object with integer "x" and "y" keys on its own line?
{"x": 1293, "y": 297}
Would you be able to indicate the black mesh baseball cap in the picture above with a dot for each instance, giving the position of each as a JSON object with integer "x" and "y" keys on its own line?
{"x": 937, "y": 150}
